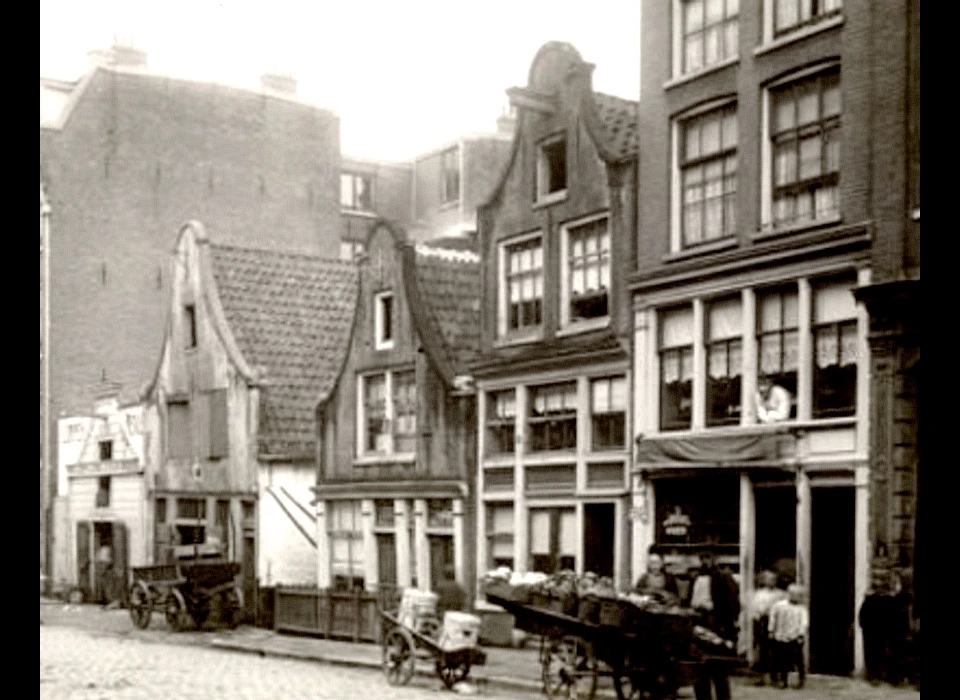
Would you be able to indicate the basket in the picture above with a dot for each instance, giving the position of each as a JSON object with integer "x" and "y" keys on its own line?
{"x": 539, "y": 599}
{"x": 565, "y": 605}
{"x": 588, "y": 609}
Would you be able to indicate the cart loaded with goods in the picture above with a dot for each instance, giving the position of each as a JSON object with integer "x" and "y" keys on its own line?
{"x": 415, "y": 632}
{"x": 648, "y": 645}
{"x": 186, "y": 592}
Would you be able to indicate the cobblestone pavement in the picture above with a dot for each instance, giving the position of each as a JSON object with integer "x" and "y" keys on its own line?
{"x": 78, "y": 664}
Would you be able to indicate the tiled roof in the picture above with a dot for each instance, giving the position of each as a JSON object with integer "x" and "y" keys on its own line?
{"x": 449, "y": 284}
{"x": 619, "y": 118}
{"x": 291, "y": 315}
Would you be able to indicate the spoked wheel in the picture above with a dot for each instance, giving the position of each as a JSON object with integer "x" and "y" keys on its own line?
{"x": 569, "y": 669}
{"x": 640, "y": 684}
{"x": 398, "y": 657}
{"x": 452, "y": 668}
{"x": 176, "y": 611}
{"x": 141, "y": 605}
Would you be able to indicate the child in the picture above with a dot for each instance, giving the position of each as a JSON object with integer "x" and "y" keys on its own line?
{"x": 766, "y": 595}
{"x": 789, "y": 624}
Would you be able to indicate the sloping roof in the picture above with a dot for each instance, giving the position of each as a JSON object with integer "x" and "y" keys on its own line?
{"x": 619, "y": 119}
{"x": 449, "y": 286}
{"x": 291, "y": 315}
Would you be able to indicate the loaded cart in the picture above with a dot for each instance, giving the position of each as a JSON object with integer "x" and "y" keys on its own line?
{"x": 647, "y": 654}
{"x": 414, "y": 632}
{"x": 186, "y": 592}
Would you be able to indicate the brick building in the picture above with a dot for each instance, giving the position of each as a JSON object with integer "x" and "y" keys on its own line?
{"x": 125, "y": 158}
{"x": 774, "y": 142}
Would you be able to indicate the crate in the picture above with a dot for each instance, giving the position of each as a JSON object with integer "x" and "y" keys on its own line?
{"x": 616, "y": 613}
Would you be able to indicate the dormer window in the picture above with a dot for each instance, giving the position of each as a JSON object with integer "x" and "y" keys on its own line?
{"x": 383, "y": 320}
{"x": 356, "y": 191}
{"x": 190, "y": 326}
{"x": 552, "y": 169}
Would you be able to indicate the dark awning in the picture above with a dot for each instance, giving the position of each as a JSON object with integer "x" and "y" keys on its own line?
{"x": 709, "y": 451}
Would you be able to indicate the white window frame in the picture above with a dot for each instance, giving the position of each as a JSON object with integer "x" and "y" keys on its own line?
{"x": 379, "y": 320}
{"x": 566, "y": 322}
{"x": 813, "y": 25}
{"x": 390, "y": 416}
{"x": 676, "y": 31}
{"x": 542, "y": 173}
{"x": 676, "y": 179}
{"x": 503, "y": 298}
{"x": 766, "y": 152}
{"x": 354, "y": 176}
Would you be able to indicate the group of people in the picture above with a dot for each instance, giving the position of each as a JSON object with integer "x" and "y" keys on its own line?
{"x": 781, "y": 623}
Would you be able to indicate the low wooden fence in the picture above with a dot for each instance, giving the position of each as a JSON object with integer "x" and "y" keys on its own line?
{"x": 353, "y": 615}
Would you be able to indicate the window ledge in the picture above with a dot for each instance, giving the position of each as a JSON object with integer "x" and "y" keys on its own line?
{"x": 612, "y": 456}
{"x": 388, "y": 345}
{"x": 702, "y": 249}
{"x": 770, "y": 231}
{"x": 543, "y": 459}
{"x": 787, "y": 426}
{"x": 688, "y": 77}
{"x": 358, "y": 212}
{"x": 502, "y": 460}
{"x": 546, "y": 200}
{"x": 519, "y": 338}
{"x": 592, "y": 324}
{"x": 406, "y": 459}
{"x": 799, "y": 34}
{"x": 452, "y": 204}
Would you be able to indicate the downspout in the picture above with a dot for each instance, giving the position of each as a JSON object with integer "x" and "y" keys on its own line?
{"x": 47, "y": 480}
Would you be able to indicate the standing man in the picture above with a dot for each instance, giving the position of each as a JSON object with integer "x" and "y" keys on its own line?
{"x": 716, "y": 596}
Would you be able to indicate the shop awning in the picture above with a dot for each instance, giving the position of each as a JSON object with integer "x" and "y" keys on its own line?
{"x": 737, "y": 451}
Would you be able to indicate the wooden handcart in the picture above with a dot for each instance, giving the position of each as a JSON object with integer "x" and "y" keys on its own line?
{"x": 186, "y": 592}
{"x": 649, "y": 659}
{"x": 404, "y": 645}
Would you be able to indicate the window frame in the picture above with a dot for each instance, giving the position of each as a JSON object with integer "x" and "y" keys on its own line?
{"x": 680, "y": 351}
{"x": 543, "y": 175}
{"x": 354, "y": 205}
{"x": 496, "y": 423}
{"x": 563, "y": 416}
{"x": 505, "y": 248}
{"x": 604, "y": 260}
{"x": 838, "y": 326}
{"x": 782, "y": 330}
{"x": 727, "y": 342}
{"x": 773, "y": 31}
{"x": 390, "y": 416}
{"x": 354, "y": 539}
{"x": 190, "y": 438}
{"x": 495, "y": 535}
{"x": 450, "y": 175}
{"x": 190, "y": 337}
{"x": 612, "y": 446}
{"x": 381, "y": 315}
{"x": 681, "y": 35}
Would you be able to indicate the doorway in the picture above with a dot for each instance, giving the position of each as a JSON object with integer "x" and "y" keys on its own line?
{"x": 776, "y": 525}
{"x": 598, "y": 537}
{"x": 441, "y": 557}
{"x": 832, "y": 580}
{"x": 387, "y": 559}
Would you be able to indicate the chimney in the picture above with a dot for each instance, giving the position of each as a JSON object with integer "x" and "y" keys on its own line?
{"x": 278, "y": 84}
{"x": 507, "y": 121}
{"x": 120, "y": 55}
{"x": 106, "y": 397}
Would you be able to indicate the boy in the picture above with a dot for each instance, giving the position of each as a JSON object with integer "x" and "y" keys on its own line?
{"x": 765, "y": 597}
{"x": 789, "y": 624}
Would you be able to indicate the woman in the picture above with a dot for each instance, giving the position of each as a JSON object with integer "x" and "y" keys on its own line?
{"x": 657, "y": 582}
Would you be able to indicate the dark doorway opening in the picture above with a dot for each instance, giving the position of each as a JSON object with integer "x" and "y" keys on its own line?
{"x": 441, "y": 556}
{"x": 598, "y": 531}
{"x": 387, "y": 559}
{"x": 776, "y": 525}
{"x": 832, "y": 581}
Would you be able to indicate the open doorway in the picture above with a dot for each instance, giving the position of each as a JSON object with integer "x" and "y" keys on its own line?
{"x": 598, "y": 534}
{"x": 832, "y": 580}
{"x": 776, "y": 525}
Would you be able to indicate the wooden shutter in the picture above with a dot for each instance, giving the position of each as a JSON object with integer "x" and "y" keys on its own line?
{"x": 219, "y": 428}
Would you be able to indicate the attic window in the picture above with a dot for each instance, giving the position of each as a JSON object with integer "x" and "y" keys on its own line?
{"x": 106, "y": 450}
{"x": 383, "y": 320}
{"x": 190, "y": 326}
{"x": 552, "y": 169}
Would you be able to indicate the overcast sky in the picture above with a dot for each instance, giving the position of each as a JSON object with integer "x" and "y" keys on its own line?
{"x": 404, "y": 75}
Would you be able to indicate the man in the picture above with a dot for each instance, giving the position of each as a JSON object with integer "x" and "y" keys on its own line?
{"x": 450, "y": 594}
{"x": 773, "y": 401}
{"x": 717, "y": 598}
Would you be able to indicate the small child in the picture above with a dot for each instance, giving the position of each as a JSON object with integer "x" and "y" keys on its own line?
{"x": 789, "y": 624}
{"x": 766, "y": 596}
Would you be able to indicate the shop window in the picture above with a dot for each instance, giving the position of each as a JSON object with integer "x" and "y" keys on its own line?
{"x": 346, "y": 544}
{"x": 501, "y": 421}
{"x": 676, "y": 369}
{"x": 553, "y": 539}
{"x": 835, "y": 350}
{"x": 724, "y": 362}
{"x": 106, "y": 450}
{"x": 701, "y": 511}
{"x": 553, "y": 417}
{"x": 608, "y": 408}
{"x": 552, "y": 169}
{"x": 777, "y": 340}
{"x": 103, "y": 492}
{"x": 500, "y": 535}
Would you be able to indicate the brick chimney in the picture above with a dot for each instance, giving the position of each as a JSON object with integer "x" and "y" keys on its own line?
{"x": 278, "y": 84}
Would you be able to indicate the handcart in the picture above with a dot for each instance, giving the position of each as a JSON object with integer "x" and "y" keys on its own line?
{"x": 186, "y": 592}
{"x": 404, "y": 644}
{"x": 647, "y": 656}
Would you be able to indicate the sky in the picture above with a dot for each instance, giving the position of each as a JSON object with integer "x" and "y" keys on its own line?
{"x": 404, "y": 75}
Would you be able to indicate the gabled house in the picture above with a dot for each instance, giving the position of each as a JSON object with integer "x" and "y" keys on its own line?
{"x": 397, "y": 434}
{"x": 253, "y": 338}
{"x": 553, "y": 375}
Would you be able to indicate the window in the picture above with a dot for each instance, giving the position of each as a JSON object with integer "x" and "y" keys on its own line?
{"x": 608, "y": 407}
{"x": 223, "y": 524}
{"x": 346, "y": 544}
{"x": 552, "y": 168}
{"x": 708, "y": 176}
{"x": 553, "y": 539}
{"x": 384, "y": 514}
{"x": 103, "y": 492}
{"x": 383, "y": 320}
{"x": 524, "y": 285}
{"x": 219, "y": 445}
{"x": 501, "y": 421}
{"x": 161, "y": 510}
{"x": 724, "y": 361}
{"x": 440, "y": 513}
{"x": 553, "y": 417}
{"x": 676, "y": 368}
{"x": 777, "y": 338}
{"x": 805, "y": 141}
{"x": 190, "y": 326}
{"x": 179, "y": 430}
{"x": 835, "y": 350}
{"x": 387, "y": 419}
{"x": 500, "y": 535}
{"x": 350, "y": 250}
{"x": 356, "y": 191}
{"x": 106, "y": 450}
{"x": 191, "y": 521}
{"x": 450, "y": 165}
{"x": 791, "y": 14}
{"x": 587, "y": 255}
{"x": 710, "y": 32}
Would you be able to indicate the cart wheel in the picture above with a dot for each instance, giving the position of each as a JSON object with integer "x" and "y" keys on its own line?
{"x": 200, "y": 615}
{"x": 398, "y": 657}
{"x": 230, "y": 608}
{"x": 176, "y": 611}
{"x": 639, "y": 684}
{"x": 141, "y": 605}
{"x": 452, "y": 669}
{"x": 570, "y": 669}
